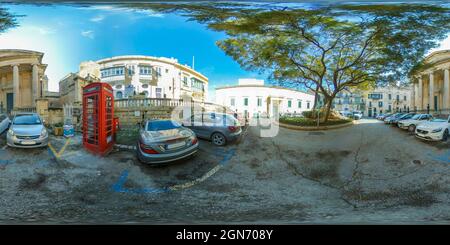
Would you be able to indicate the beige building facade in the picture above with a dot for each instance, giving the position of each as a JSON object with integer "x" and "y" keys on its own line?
{"x": 22, "y": 79}
{"x": 432, "y": 83}
{"x": 71, "y": 88}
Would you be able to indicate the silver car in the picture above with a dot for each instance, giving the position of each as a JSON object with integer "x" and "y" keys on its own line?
{"x": 164, "y": 141}
{"x": 27, "y": 131}
{"x": 220, "y": 128}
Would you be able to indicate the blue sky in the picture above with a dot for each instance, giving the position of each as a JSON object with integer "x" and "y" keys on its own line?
{"x": 69, "y": 35}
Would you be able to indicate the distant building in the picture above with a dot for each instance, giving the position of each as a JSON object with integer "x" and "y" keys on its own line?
{"x": 349, "y": 101}
{"x": 22, "y": 79}
{"x": 151, "y": 77}
{"x": 252, "y": 98}
{"x": 388, "y": 99}
{"x": 375, "y": 101}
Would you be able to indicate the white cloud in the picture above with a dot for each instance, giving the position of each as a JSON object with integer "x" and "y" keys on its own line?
{"x": 98, "y": 18}
{"x": 42, "y": 30}
{"x": 112, "y": 9}
{"x": 88, "y": 34}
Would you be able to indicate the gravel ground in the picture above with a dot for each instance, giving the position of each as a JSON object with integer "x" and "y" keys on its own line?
{"x": 367, "y": 173}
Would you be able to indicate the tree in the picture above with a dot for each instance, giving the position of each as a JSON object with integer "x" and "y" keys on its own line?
{"x": 7, "y": 20}
{"x": 326, "y": 49}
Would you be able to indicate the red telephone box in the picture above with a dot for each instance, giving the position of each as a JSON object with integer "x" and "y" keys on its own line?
{"x": 98, "y": 118}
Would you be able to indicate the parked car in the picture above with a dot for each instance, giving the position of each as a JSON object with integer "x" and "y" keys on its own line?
{"x": 27, "y": 130}
{"x": 220, "y": 128}
{"x": 384, "y": 116}
{"x": 411, "y": 124}
{"x": 4, "y": 123}
{"x": 434, "y": 130}
{"x": 391, "y": 119}
{"x": 346, "y": 114}
{"x": 403, "y": 117}
{"x": 357, "y": 115}
{"x": 165, "y": 141}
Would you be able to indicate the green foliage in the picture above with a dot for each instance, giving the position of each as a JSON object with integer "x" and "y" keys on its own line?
{"x": 300, "y": 121}
{"x": 7, "y": 20}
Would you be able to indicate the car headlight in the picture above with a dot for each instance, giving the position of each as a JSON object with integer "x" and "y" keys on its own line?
{"x": 436, "y": 130}
{"x": 44, "y": 133}
{"x": 11, "y": 132}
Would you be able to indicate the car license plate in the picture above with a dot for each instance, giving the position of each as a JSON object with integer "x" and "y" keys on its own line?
{"x": 176, "y": 145}
{"x": 28, "y": 142}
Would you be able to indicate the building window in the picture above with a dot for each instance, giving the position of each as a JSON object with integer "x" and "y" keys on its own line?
{"x": 398, "y": 97}
{"x": 144, "y": 85}
{"x": 232, "y": 102}
{"x": 119, "y": 95}
{"x": 259, "y": 102}
{"x": 118, "y": 86}
{"x": 370, "y": 103}
{"x": 299, "y": 104}
{"x": 145, "y": 70}
{"x": 380, "y": 104}
{"x": 389, "y": 108}
{"x": 245, "y": 101}
{"x": 289, "y": 103}
{"x": 308, "y": 104}
{"x": 404, "y": 98}
{"x": 112, "y": 71}
{"x": 375, "y": 96}
{"x": 185, "y": 81}
{"x": 390, "y": 96}
{"x": 158, "y": 92}
{"x": 197, "y": 84}
{"x": 146, "y": 94}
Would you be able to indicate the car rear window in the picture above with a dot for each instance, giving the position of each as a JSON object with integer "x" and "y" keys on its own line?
{"x": 162, "y": 125}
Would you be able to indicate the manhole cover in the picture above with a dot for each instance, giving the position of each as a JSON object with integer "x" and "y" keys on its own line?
{"x": 417, "y": 162}
{"x": 316, "y": 133}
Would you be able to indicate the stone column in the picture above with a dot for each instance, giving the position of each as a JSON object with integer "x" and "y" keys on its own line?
{"x": 446, "y": 89}
{"x": 413, "y": 96}
{"x": 431, "y": 90}
{"x": 34, "y": 84}
{"x": 420, "y": 94}
{"x": 16, "y": 89}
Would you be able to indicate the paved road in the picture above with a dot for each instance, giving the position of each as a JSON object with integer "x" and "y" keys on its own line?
{"x": 367, "y": 173}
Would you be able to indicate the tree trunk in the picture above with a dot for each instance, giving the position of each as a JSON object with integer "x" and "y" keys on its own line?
{"x": 328, "y": 102}
{"x": 316, "y": 97}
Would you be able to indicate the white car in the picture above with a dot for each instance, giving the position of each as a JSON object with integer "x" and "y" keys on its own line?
{"x": 434, "y": 130}
{"x": 411, "y": 124}
{"x": 4, "y": 123}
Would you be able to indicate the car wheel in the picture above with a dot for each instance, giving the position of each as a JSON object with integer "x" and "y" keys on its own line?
{"x": 412, "y": 128}
{"x": 445, "y": 136}
{"x": 218, "y": 139}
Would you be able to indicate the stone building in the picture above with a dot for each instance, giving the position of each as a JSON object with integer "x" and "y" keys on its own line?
{"x": 71, "y": 88}
{"x": 22, "y": 79}
{"x": 432, "y": 83}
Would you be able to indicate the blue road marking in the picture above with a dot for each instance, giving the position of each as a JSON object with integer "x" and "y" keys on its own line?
{"x": 445, "y": 157}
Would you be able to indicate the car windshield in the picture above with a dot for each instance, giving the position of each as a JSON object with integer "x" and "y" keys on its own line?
{"x": 415, "y": 117}
{"x": 28, "y": 119}
{"x": 162, "y": 125}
